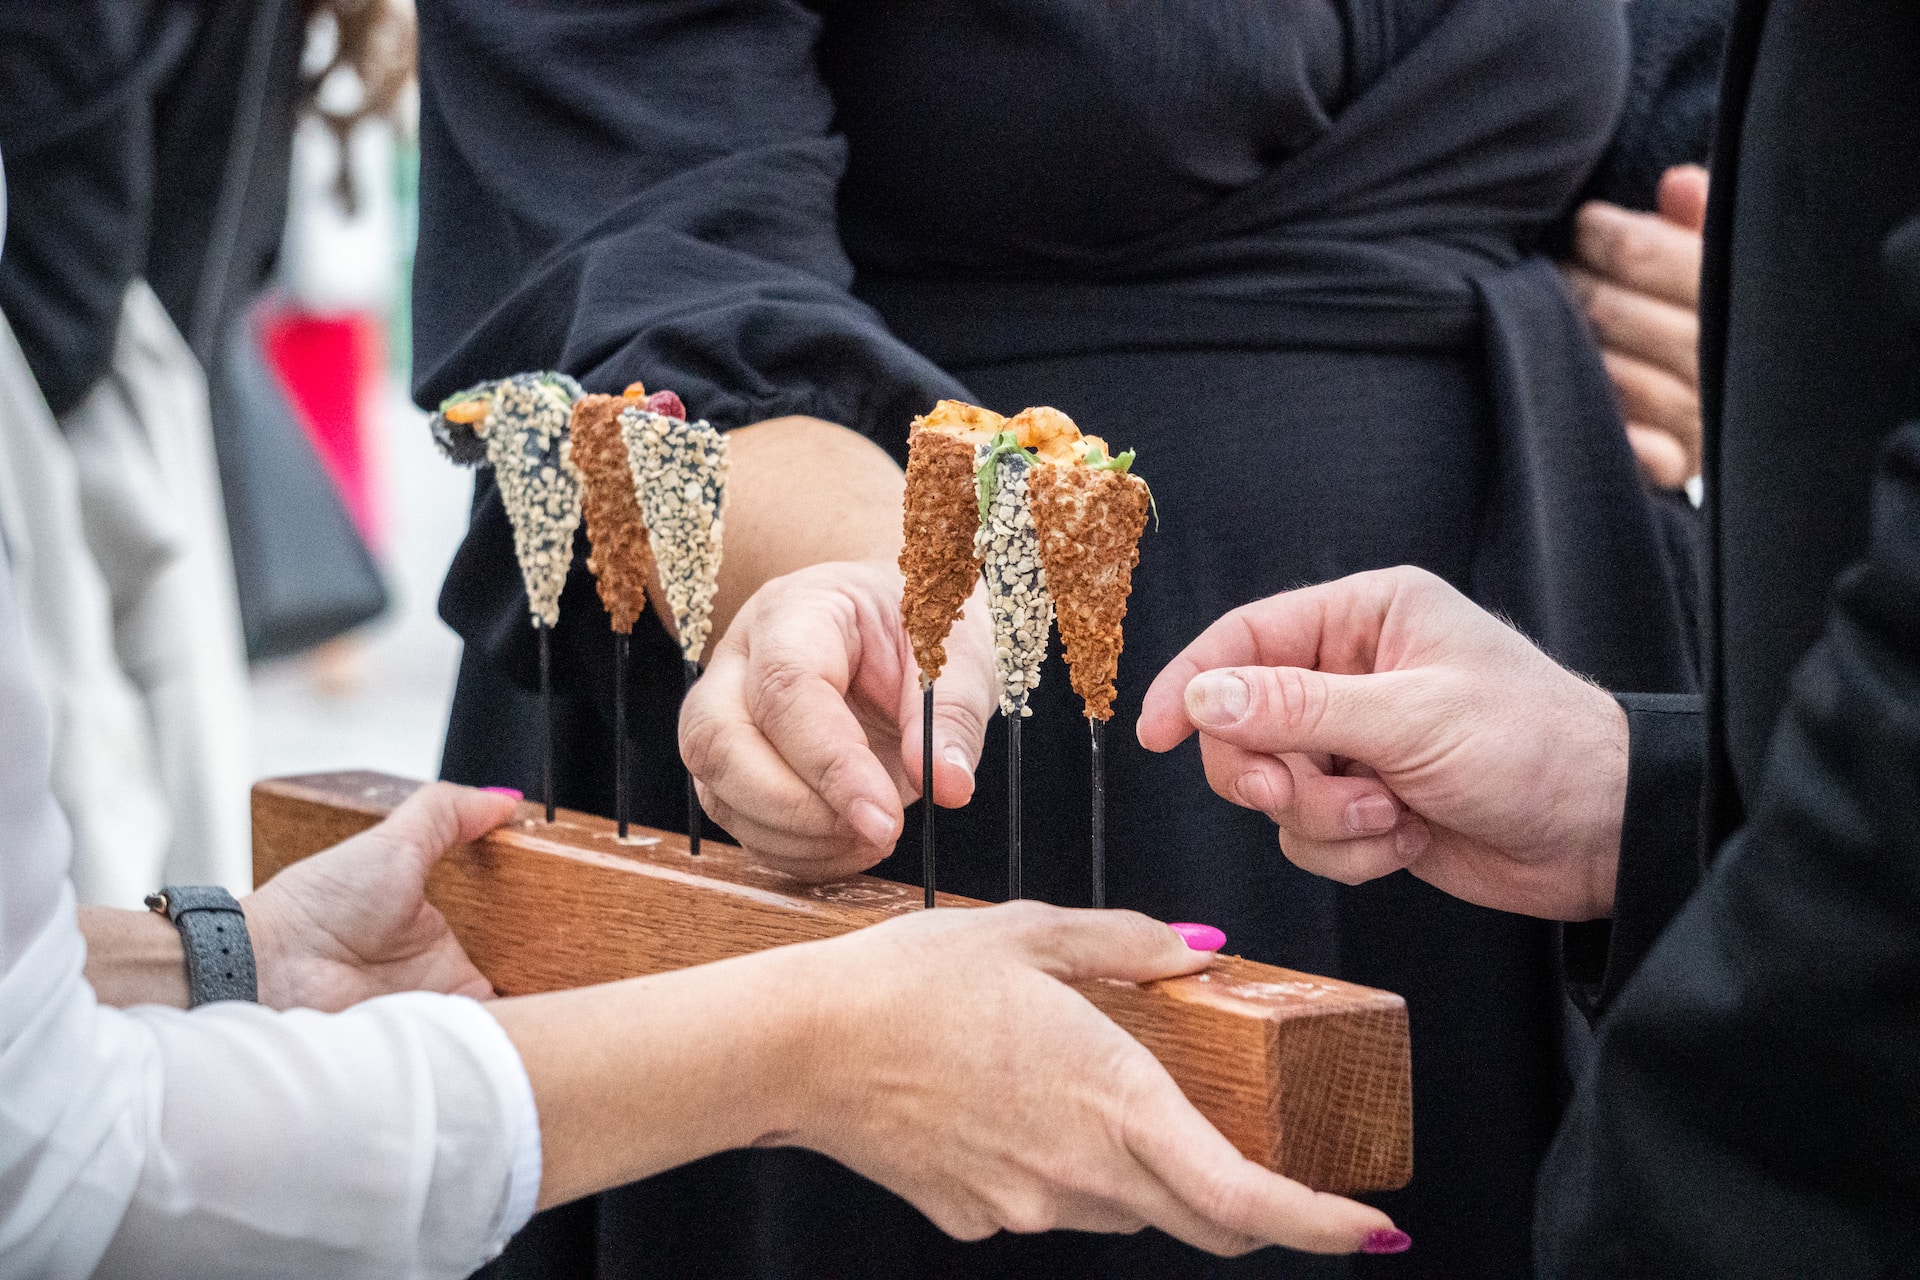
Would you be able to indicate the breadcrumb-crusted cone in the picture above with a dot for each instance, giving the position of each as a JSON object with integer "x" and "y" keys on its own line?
{"x": 680, "y": 473}
{"x": 618, "y": 551}
{"x": 528, "y": 447}
{"x": 1018, "y": 602}
{"x": 1089, "y": 522}
{"x": 938, "y": 560}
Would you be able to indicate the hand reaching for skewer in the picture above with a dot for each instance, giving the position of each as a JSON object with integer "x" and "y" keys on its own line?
{"x": 804, "y": 735}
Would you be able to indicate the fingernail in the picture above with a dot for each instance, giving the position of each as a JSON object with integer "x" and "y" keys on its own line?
{"x": 956, "y": 757}
{"x": 1200, "y": 937}
{"x": 1411, "y": 840}
{"x": 872, "y": 822}
{"x": 1254, "y": 791}
{"x": 505, "y": 791}
{"x": 1386, "y": 1240}
{"x": 1217, "y": 698}
{"x": 1370, "y": 815}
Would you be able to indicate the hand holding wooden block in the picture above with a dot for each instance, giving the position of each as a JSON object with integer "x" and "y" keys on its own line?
{"x": 1307, "y": 1075}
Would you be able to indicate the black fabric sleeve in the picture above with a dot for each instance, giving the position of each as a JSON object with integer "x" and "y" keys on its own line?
{"x": 1660, "y": 845}
{"x": 645, "y": 191}
{"x": 1753, "y": 1107}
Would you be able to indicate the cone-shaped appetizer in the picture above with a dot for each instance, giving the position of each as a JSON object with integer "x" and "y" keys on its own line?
{"x": 618, "y": 551}
{"x": 519, "y": 425}
{"x": 942, "y": 513}
{"x": 680, "y": 472}
{"x": 1089, "y": 513}
{"x": 1018, "y": 602}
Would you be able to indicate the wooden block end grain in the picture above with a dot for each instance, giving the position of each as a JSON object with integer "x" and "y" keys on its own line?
{"x": 1307, "y": 1075}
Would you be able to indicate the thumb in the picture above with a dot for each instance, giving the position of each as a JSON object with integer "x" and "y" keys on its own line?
{"x": 441, "y": 815}
{"x": 1682, "y": 197}
{"x": 1077, "y": 945}
{"x": 1274, "y": 710}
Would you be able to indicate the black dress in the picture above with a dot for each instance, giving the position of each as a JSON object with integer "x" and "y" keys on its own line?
{"x": 1286, "y": 252}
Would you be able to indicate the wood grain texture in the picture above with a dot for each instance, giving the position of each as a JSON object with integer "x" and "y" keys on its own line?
{"x": 1307, "y": 1075}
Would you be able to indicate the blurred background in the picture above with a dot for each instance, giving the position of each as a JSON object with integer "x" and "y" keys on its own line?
{"x": 225, "y": 522}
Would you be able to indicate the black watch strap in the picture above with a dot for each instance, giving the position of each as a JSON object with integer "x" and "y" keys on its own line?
{"x": 213, "y": 930}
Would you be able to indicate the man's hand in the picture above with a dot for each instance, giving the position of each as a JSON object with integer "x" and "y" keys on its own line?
{"x": 1384, "y": 721}
{"x": 353, "y": 921}
{"x": 1638, "y": 277}
{"x": 803, "y": 736}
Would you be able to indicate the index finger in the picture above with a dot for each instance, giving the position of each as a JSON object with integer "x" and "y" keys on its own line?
{"x": 1640, "y": 251}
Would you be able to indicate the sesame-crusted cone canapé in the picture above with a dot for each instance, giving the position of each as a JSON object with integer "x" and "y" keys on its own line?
{"x": 942, "y": 513}
{"x": 519, "y": 426}
{"x": 1088, "y": 513}
{"x": 1018, "y": 602}
{"x": 680, "y": 472}
{"x": 618, "y": 551}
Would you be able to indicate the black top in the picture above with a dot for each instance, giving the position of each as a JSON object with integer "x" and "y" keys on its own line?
{"x": 1755, "y": 1108}
{"x": 1287, "y": 252}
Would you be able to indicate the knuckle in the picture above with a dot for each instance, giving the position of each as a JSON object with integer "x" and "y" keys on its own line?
{"x": 1293, "y": 699}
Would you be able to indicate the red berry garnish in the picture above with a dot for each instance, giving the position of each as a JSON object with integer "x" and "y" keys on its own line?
{"x": 666, "y": 404}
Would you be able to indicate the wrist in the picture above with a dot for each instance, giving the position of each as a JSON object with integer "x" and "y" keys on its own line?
{"x": 269, "y": 954}
{"x": 1608, "y": 805}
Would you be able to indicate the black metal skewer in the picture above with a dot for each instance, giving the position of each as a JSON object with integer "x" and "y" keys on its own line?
{"x": 546, "y": 719}
{"x": 621, "y": 641}
{"x": 1099, "y": 825}
{"x": 694, "y": 814}
{"x": 926, "y": 792}
{"x": 1013, "y": 804}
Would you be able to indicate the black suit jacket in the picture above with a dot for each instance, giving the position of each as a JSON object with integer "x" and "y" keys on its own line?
{"x": 1754, "y": 1105}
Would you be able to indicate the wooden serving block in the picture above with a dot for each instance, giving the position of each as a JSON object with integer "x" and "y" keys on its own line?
{"x": 1307, "y": 1075}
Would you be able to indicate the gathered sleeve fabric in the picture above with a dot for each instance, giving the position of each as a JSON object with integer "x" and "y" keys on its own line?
{"x": 1752, "y": 1107}
{"x": 645, "y": 192}
{"x": 398, "y": 1138}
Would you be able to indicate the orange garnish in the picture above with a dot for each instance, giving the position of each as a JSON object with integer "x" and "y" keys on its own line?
{"x": 468, "y": 412}
{"x": 635, "y": 391}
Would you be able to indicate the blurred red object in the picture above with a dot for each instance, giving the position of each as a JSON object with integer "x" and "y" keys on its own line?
{"x": 330, "y": 368}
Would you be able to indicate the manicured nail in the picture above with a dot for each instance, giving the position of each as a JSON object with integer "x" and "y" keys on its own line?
{"x": 1386, "y": 1240}
{"x": 505, "y": 791}
{"x": 1200, "y": 937}
{"x": 1217, "y": 698}
{"x": 957, "y": 757}
{"x": 1370, "y": 815}
{"x": 872, "y": 822}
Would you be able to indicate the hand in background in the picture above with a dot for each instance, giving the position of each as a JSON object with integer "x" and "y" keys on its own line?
{"x": 803, "y": 736}
{"x": 1637, "y": 276}
{"x": 1385, "y": 721}
{"x": 353, "y": 921}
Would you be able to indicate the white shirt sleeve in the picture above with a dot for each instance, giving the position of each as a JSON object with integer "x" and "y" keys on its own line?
{"x": 398, "y": 1138}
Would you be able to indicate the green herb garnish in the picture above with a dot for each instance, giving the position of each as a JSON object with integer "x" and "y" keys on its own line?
{"x": 988, "y": 475}
{"x": 1098, "y": 460}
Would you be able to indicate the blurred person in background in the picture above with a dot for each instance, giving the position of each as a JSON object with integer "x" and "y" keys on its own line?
{"x": 147, "y": 451}
{"x": 1296, "y": 255}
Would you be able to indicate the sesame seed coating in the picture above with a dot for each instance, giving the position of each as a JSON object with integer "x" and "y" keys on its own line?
{"x": 680, "y": 472}
{"x": 528, "y": 446}
{"x": 1018, "y": 602}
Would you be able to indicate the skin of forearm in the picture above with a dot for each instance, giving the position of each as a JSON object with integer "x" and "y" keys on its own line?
{"x": 800, "y": 491}
{"x": 632, "y": 1078}
{"x": 134, "y": 957}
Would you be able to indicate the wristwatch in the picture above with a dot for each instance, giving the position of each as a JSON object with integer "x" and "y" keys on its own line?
{"x": 213, "y": 931}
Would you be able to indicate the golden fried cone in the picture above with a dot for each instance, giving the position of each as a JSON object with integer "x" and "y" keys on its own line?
{"x": 938, "y": 561}
{"x": 1089, "y": 523}
{"x": 619, "y": 555}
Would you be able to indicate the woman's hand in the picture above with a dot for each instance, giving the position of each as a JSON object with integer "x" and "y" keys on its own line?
{"x": 959, "y": 1070}
{"x": 1637, "y": 275}
{"x": 353, "y": 921}
{"x": 803, "y": 736}
{"x": 1385, "y": 721}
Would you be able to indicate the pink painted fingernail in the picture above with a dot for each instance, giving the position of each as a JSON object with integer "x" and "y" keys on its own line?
{"x": 1386, "y": 1240}
{"x": 505, "y": 791}
{"x": 872, "y": 822}
{"x": 1200, "y": 937}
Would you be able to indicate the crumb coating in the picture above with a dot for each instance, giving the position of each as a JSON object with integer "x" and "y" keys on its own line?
{"x": 1018, "y": 602}
{"x": 617, "y": 548}
{"x": 938, "y": 560}
{"x": 1089, "y": 523}
{"x": 527, "y": 445}
{"x": 679, "y": 469}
